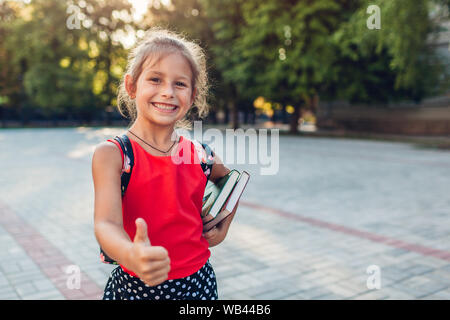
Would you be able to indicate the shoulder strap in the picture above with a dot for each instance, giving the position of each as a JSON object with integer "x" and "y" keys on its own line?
{"x": 208, "y": 164}
{"x": 127, "y": 168}
{"x": 206, "y": 157}
{"x": 128, "y": 161}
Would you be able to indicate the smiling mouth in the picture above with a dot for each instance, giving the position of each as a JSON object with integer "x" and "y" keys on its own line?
{"x": 164, "y": 108}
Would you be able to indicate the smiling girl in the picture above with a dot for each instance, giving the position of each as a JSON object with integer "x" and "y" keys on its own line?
{"x": 154, "y": 231}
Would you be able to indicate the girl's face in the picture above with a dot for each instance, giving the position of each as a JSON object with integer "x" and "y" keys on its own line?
{"x": 163, "y": 92}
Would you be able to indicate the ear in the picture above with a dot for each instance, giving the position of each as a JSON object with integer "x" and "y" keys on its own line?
{"x": 129, "y": 86}
{"x": 194, "y": 93}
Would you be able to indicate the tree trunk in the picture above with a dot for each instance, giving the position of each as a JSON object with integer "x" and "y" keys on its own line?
{"x": 293, "y": 124}
{"x": 232, "y": 106}
{"x": 109, "y": 111}
{"x": 226, "y": 119}
{"x": 22, "y": 94}
{"x": 213, "y": 117}
{"x": 108, "y": 71}
{"x": 314, "y": 104}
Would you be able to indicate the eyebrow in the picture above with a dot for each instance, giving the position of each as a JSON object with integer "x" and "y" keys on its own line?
{"x": 161, "y": 73}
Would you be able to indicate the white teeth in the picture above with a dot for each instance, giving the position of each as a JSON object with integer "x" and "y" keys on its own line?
{"x": 163, "y": 106}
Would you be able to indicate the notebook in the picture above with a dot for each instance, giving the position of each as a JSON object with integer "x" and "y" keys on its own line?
{"x": 216, "y": 194}
{"x": 231, "y": 201}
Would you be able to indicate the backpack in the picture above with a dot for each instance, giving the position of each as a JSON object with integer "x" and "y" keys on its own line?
{"x": 204, "y": 152}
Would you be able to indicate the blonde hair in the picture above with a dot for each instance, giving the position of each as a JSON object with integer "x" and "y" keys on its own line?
{"x": 155, "y": 43}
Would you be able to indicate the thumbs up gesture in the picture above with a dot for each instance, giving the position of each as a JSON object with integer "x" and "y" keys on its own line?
{"x": 150, "y": 263}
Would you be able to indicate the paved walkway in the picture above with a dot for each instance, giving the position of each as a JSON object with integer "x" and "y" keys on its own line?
{"x": 337, "y": 211}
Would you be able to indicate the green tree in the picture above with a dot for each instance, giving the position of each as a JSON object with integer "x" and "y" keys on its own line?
{"x": 285, "y": 50}
{"x": 216, "y": 25}
{"x": 227, "y": 22}
{"x": 391, "y": 63}
{"x": 64, "y": 68}
{"x": 105, "y": 23}
{"x": 40, "y": 45}
{"x": 10, "y": 83}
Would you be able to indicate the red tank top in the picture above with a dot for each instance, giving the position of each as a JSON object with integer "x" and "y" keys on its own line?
{"x": 168, "y": 196}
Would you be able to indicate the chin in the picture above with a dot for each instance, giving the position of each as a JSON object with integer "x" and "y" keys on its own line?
{"x": 163, "y": 121}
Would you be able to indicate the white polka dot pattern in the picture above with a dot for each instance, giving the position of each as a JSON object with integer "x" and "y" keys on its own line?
{"x": 201, "y": 285}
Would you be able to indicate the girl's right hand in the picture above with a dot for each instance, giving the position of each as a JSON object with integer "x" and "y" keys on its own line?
{"x": 150, "y": 263}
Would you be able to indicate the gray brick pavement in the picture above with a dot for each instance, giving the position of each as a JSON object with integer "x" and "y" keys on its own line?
{"x": 388, "y": 189}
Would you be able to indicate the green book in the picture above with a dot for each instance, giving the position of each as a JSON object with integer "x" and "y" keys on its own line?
{"x": 231, "y": 202}
{"x": 217, "y": 194}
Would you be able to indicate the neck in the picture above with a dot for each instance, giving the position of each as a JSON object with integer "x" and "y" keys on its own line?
{"x": 159, "y": 136}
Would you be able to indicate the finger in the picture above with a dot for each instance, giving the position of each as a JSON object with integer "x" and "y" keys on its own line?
{"x": 155, "y": 253}
{"x": 141, "y": 232}
{"x": 207, "y": 218}
{"x": 159, "y": 276}
{"x": 211, "y": 233}
{"x": 158, "y": 266}
{"x": 162, "y": 275}
{"x": 152, "y": 282}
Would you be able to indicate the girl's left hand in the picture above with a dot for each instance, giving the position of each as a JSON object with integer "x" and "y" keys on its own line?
{"x": 217, "y": 234}
{"x": 212, "y": 235}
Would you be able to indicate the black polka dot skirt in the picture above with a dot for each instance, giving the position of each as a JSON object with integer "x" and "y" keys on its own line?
{"x": 201, "y": 285}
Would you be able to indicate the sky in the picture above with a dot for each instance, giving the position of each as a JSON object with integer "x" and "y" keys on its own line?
{"x": 139, "y": 8}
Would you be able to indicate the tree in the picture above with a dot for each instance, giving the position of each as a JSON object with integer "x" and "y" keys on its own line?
{"x": 106, "y": 22}
{"x": 38, "y": 45}
{"x": 10, "y": 79}
{"x": 387, "y": 64}
{"x": 285, "y": 52}
{"x": 227, "y": 22}
{"x": 66, "y": 69}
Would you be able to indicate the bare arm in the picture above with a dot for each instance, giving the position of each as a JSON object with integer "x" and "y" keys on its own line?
{"x": 219, "y": 170}
{"x": 150, "y": 263}
{"x": 108, "y": 225}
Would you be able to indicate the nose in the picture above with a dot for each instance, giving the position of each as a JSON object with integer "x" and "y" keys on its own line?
{"x": 167, "y": 91}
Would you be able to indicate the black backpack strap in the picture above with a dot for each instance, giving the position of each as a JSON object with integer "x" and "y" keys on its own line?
{"x": 207, "y": 166}
{"x": 127, "y": 168}
{"x": 128, "y": 161}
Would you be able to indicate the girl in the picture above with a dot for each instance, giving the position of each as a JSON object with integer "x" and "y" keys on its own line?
{"x": 155, "y": 231}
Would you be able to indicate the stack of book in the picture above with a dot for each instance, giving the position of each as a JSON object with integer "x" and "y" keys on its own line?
{"x": 221, "y": 198}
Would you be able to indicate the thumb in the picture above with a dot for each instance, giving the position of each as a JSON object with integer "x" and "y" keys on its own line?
{"x": 141, "y": 232}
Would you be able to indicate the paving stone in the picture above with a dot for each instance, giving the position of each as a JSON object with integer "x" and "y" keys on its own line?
{"x": 371, "y": 295}
{"x": 43, "y": 285}
{"x": 276, "y": 294}
{"x": 439, "y": 295}
{"x": 25, "y": 289}
{"x": 314, "y": 293}
{"x": 9, "y": 295}
{"x": 330, "y": 296}
{"x": 44, "y": 295}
